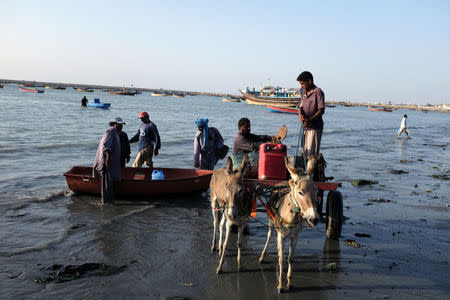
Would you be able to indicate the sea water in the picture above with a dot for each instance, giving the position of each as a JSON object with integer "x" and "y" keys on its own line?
{"x": 43, "y": 223}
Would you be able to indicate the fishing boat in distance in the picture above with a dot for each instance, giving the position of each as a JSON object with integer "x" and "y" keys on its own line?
{"x": 224, "y": 99}
{"x": 1, "y": 86}
{"x": 97, "y": 104}
{"x": 282, "y": 109}
{"x": 30, "y": 90}
{"x": 178, "y": 95}
{"x": 158, "y": 94}
{"x": 55, "y": 87}
{"x": 138, "y": 181}
{"x": 85, "y": 90}
{"x": 373, "y": 108}
{"x": 123, "y": 92}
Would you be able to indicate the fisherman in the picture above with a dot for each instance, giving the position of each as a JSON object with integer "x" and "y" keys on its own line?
{"x": 403, "y": 127}
{"x": 311, "y": 109}
{"x": 246, "y": 142}
{"x": 107, "y": 161}
{"x": 149, "y": 141}
{"x": 84, "y": 101}
{"x": 207, "y": 143}
{"x": 124, "y": 145}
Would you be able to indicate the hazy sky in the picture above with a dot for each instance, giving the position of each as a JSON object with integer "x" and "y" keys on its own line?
{"x": 377, "y": 51}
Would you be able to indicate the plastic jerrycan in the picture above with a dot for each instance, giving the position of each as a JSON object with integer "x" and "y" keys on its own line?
{"x": 271, "y": 161}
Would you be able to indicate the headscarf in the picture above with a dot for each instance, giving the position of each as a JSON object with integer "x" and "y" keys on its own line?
{"x": 203, "y": 122}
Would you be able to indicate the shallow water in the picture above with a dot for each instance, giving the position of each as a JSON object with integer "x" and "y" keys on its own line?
{"x": 165, "y": 243}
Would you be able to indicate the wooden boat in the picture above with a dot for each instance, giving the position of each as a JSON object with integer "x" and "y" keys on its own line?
{"x": 30, "y": 90}
{"x": 137, "y": 181}
{"x": 281, "y": 109}
{"x": 97, "y": 104}
{"x": 53, "y": 87}
{"x": 123, "y": 92}
{"x": 85, "y": 90}
{"x": 158, "y": 94}
{"x": 380, "y": 109}
{"x": 330, "y": 105}
{"x": 231, "y": 100}
{"x": 178, "y": 95}
{"x": 277, "y": 101}
{"x": 1, "y": 86}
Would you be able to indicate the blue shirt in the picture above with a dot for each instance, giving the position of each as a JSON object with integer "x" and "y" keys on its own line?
{"x": 147, "y": 135}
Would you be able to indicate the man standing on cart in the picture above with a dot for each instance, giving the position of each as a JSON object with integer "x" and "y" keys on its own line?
{"x": 311, "y": 109}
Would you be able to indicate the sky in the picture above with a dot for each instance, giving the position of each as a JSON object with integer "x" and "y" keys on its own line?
{"x": 375, "y": 51}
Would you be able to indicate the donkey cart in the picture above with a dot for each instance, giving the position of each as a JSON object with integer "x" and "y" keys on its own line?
{"x": 334, "y": 205}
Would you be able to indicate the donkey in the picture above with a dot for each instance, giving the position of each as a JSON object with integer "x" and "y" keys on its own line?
{"x": 228, "y": 196}
{"x": 289, "y": 207}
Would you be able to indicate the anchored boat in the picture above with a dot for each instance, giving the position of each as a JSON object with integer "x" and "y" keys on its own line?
{"x": 98, "y": 104}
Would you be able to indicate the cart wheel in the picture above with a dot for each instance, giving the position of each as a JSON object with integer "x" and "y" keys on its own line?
{"x": 334, "y": 214}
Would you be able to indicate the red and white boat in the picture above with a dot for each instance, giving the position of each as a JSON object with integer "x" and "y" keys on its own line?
{"x": 282, "y": 109}
{"x": 30, "y": 90}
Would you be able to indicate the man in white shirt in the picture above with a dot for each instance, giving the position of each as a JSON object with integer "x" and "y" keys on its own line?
{"x": 403, "y": 127}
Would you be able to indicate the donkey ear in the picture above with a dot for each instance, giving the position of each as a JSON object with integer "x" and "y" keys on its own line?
{"x": 244, "y": 165}
{"x": 229, "y": 166}
{"x": 290, "y": 168}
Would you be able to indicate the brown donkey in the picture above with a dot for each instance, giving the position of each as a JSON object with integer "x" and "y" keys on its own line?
{"x": 229, "y": 197}
{"x": 289, "y": 207}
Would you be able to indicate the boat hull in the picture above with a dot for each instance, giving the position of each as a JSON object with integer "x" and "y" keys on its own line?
{"x": 231, "y": 100}
{"x": 380, "y": 109}
{"x": 281, "y": 109}
{"x": 31, "y": 90}
{"x": 277, "y": 101}
{"x": 137, "y": 181}
{"x": 99, "y": 105}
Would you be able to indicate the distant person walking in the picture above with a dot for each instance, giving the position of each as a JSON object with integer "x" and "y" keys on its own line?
{"x": 107, "y": 161}
{"x": 207, "y": 143}
{"x": 311, "y": 109}
{"x": 84, "y": 101}
{"x": 149, "y": 141}
{"x": 403, "y": 127}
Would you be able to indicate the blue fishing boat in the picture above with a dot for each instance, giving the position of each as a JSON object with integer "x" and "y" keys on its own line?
{"x": 98, "y": 104}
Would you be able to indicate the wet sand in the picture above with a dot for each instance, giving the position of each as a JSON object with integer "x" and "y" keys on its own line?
{"x": 166, "y": 249}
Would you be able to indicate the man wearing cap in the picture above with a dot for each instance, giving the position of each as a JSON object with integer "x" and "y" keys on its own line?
{"x": 107, "y": 160}
{"x": 149, "y": 141}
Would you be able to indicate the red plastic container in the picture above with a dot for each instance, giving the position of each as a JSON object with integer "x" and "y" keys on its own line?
{"x": 271, "y": 161}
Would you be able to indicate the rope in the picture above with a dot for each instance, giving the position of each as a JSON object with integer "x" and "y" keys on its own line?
{"x": 301, "y": 137}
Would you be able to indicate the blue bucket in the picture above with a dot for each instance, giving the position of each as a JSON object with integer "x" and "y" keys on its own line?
{"x": 157, "y": 175}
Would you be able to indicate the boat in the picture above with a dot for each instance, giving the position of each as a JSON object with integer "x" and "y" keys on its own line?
{"x": 231, "y": 100}
{"x": 1, "y": 86}
{"x": 98, "y": 104}
{"x": 123, "y": 92}
{"x": 281, "y": 109}
{"x": 277, "y": 101}
{"x": 30, "y": 90}
{"x": 178, "y": 95}
{"x": 380, "y": 109}
{"x": 138, "y": 181}
{"x": 55, "y": 87}
{"x": 158, "y": 94}
{"x": 85, "y": 90}
{"x": 330, "y": 105}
